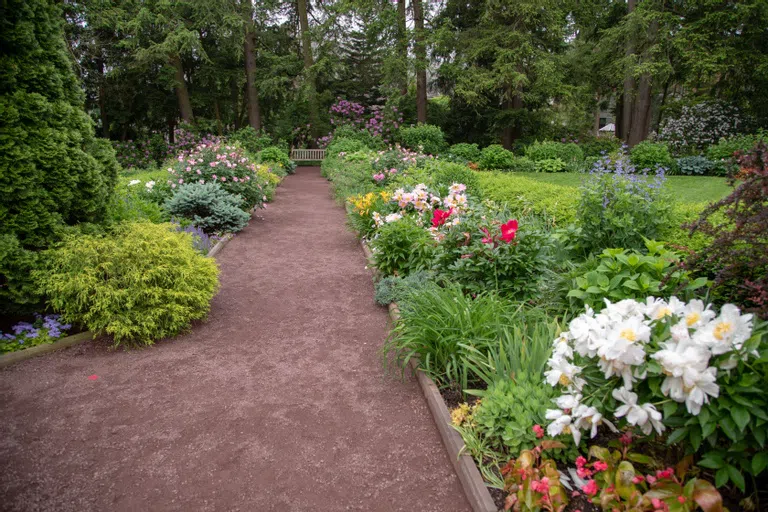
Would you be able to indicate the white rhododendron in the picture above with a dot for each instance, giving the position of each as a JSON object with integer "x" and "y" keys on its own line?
{"x": 604, "y": 363}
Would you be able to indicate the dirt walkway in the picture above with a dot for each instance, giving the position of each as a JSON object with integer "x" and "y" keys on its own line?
{"x": 277, "y": 402}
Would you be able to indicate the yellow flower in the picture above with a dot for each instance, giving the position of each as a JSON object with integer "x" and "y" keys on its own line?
{"x": 461, "y": 414}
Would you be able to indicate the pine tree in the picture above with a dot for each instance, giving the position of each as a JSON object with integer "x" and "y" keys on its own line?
{"x": 53, "y": 171}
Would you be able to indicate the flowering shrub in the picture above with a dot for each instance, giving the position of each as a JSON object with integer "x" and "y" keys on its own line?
{"x": 379, "y": 122}
{"x": 619, "y": 364}
{"x": 226, "y": 165}
{"x": 620, "y": 207}
{"x": 699, "y": 126}
{"x": 44, "y": 329}
{"x": 361, "y": 209}
{"x": 155, "y": 148}
{"x": 396, "y": 160}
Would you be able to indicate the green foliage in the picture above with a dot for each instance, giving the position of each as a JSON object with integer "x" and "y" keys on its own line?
{"x": 730, "y": 433}
{"x": 694, "y": 166}
{"x": 650, "y": 155}
{"x": 444, "y": 174}
{"x": 675, "y": 232}
{"x": 495, "y": 157}
{"x": 18, "y": 292}
{"x": 401, "y": 247}
{"x": 53, "y": 172}
{"x": 599, "y": 146}
{"x": 568, "y": 153}
{"x": 424, "y": 138}
{"x": 522, "y": 194}
{"x": 620, "y": 210}
{"x": 509, "y": 409}
{"x": 522, "y": 164}
{"x": 344, "y": 145}
{"x": 550, "y": 165}
{"x": 251, "y": 140}
{"x": 395, "y": 288}
{"x": 465, "y": 151}
{"x": 132, "y": 203}
{"x": 275, "y": 154}
{"x": 141, "y": 284}
{"x": 724, "y": 153}
{"x": 209, "y": 207}
{"x": 348, "y": 178}
{"x": 619, "y": 274}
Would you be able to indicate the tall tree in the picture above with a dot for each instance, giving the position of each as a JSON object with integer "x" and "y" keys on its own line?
{"x": 309, "y": 71}
{"x": 420, "y": 52}
{"x": 249, "y": 51}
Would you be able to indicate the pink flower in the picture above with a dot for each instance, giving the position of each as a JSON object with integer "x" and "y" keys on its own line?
{"x": 509, "y": 230}
{"x": 600, "y": 466}
{"x": 638, "y": 479}
{"x": 590, "y": 488}
{"x": 538, "y": 431}
{"x": 681, "y": 499}
{"x": 666, "y": 474}
{"x": 223, "y": 178}
{"x": 584, "y": 473}
{"x": 199, "y": 172}
{"x": 440, "y": 216}
{"x": 580, "y": 461}
{"x": 181, "y": 181}
{"x": 213, "y": 164}
{"x": 541, "y": 486}
{"x": 626, "y": 438}
{"x": 651, "y": 479}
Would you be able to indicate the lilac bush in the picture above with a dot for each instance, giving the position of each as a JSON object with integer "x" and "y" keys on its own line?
{"x": 44, "y": 329}
{"x": 700, "y": 126}
{"x": 377, "y": 121}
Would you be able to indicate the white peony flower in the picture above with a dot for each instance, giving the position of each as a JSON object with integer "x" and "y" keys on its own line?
{"x": 392, "y": 217}
{"x": 133, "y": 182}
{"x": 644, "y": 416}
{"x": 571, "y": 401}
{"x": 564, "y": 373}
{"x": 696, "y": 314}
{"x": 149, "y": 184}
{"x": 590, "y": 418}
{"x": 728, "y": 331}
{"x": 562, "y": 424}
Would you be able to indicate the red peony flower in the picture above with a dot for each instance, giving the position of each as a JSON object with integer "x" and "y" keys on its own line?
{"x": 509, "y": 230}
{"x": 440, "y": 216}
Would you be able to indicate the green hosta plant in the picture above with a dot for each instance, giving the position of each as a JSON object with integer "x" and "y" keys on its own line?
{"x": 143, "y": 283}
{"x": 619, "y": 274}
{"x": 550, "y": 165}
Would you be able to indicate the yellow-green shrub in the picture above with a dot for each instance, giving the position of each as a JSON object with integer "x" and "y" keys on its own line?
{"x": 143, "y": 283}
{"x": 676, "y": 236}
{"x": 553, "y": 201}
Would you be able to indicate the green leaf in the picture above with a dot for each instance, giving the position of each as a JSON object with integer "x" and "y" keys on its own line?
{"x": 669, "y": 409}
{"x": 677, "y": 435}
{"x": 759, "y": 462}
{"x": 594, "y": 290}
{"x": 729, "y": 428}
{"x": 741, "y": 416}
{"x": 632, "y": 285}
{"x": 711, "y": 461}
{"x": 721, "y": 477}
{"x": 736, "y": 477}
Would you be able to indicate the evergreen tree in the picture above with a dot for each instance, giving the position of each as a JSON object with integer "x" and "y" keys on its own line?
{"x": 53, "y": 171}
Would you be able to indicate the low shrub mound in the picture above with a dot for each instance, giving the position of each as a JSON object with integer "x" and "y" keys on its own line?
{"x": 424, "y": 138}
{"x": 554, "y": 202}
{"x": 142, "y": 283}
{"x": 651, "y": 155}
{"x": 569, "y": 153}
{"x": 495, "y": 157}
{"x": 209, "y": 207}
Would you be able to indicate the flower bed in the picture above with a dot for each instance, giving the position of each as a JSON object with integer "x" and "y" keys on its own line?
{"x": 637, "y": 404}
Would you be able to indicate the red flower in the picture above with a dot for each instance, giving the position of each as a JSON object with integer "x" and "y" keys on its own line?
{"x": 440, "y": 216}
{"x": 509, "y": 230}
{"x": 591, "y": 488}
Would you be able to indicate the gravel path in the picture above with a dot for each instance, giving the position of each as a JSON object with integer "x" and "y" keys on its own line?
{"x": 277, "y": 402}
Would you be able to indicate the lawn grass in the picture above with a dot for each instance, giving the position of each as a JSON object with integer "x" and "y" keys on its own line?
{"x": 686, "y": 189}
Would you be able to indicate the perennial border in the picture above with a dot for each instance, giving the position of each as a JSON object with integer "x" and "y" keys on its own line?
{"x": 469, "y": 475}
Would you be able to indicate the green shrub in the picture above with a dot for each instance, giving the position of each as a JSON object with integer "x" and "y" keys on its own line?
{"x": 348, "y": 178}
{"x": 251, "y": 140}
{"x": 18, "y": 293}
{"x": 650, "y": 155}
{"x": 278, "y": 156}
{"x": 620, "y": 209}
{"x": 694, "y": 166}
{"x": 344, "y": 145}
{"x": 676, "y": 235}
{"x": 445, "y": 174}
{"x": 522, "y": 164}
{"x": 424, "y": 138}
{"x": 522, "y": 194}
{"x": 133, "y": 203}
{"x": 723, "y": 153}
{"x": 495, "y": 157}
{"x": 143, "y": 283}
{"x": 508, "y": 411}
{"x": 395, "y": 288}
{"x": 618, "y": 274}
{"x": 401, "y": 247}
{"x": 359, "y": 134}
{"x": 550, "y": 165}
{"x": 209, "y": 207}
{"x": 596, "y": 147}
{"x": 569, "y": 153}
{"x": 465, "y": 151}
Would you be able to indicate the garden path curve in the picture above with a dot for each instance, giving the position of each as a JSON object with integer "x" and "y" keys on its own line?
{"x": 277, "y": 403}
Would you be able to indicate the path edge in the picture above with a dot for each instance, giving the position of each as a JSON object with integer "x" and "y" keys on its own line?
{"x": 28, "y": 353}
{"x": 469, "y": 475}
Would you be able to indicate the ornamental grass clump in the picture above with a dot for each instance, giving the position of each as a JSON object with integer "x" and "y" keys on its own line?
{"x": 143, "y": 283}
{"x": 227, "y": 165}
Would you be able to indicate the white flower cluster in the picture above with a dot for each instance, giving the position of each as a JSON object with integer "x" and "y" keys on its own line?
{"x": 456, "y": 197}
{"x": 700, "y": 125}
{"x": 623, "y": 338}
{"x": 419, "y": 198}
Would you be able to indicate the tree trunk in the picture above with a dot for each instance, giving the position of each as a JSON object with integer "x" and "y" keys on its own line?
{"x": 402, "y": 38}
{"x": 661, "y": 105}
{"x": 627, "y": 102}
{"x": 235, "y": 102}
{"x": 511, "y": 131}
{"x": 306, "y": 51}
{"x": 171, "y": 130}
{"x": 103, "y": 100}
{"x": 217, "y": 112}
{"x": 641, "y": 114}
{"x": 596, "y": 126}
{"x": 182, "y": 94}
{"x": 254, "y": 112}
{"x": 420, "y": 51}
